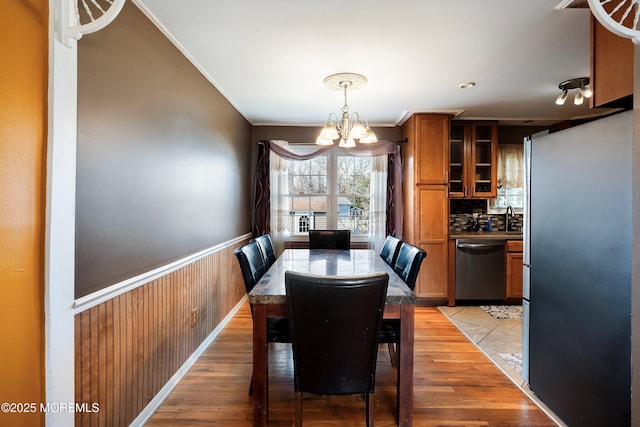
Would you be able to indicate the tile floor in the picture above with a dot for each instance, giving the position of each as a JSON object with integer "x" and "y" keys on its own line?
{"x": 494, "y": 336}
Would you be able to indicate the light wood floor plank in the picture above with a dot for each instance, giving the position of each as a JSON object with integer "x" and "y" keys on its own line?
{"x": 454, "y": 385}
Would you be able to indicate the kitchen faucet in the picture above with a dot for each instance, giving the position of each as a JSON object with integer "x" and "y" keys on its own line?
{"x": 507, "y": 220}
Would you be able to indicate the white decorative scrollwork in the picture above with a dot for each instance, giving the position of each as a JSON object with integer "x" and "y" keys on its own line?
{"x": 621, "y": 17}
{"x": 78, "y": 17}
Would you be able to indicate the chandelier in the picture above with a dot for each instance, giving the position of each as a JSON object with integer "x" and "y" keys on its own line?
{"x": 348, "y": 128}
{"x": 582, "y": 92}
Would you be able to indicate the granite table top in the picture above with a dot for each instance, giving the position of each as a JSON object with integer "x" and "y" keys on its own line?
{"x": 270, "y": 289}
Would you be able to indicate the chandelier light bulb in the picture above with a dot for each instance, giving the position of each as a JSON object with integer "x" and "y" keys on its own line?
{"x": 370, "y": 138}
{"x": 324, "y": 141}
{"x": 358, "y": 130}
{"x": 347, "y": 144}
{"x": 586, "y": 92}
{"x": 329, "y": 130}
{"x": 579, "y": 99}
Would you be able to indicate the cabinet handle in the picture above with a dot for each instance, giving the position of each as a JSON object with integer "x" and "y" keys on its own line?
{"x": 446, "y": 177}
{"x": 464, "y": 191}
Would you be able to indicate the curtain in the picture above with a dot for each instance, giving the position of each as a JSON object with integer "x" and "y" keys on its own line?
{"x": 378, "y": 202}
{"x": 272, "y": 180}
{"x": 511, "y": 165}
{"x": 394, "y": 207}
{"x": 279, "y": 175}
{"x": 262, "y": 193}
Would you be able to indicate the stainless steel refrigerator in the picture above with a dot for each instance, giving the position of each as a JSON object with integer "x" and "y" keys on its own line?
{"x": 577, "y": 271}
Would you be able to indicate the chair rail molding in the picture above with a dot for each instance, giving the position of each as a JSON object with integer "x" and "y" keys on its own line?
{"x": 68, "y": 15}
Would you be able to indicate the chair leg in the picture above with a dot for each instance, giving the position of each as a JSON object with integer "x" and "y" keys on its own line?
{"x": 369, "y": 408}
{"x": 398, "y": 367}
{"x": 393, "y": 354}
{"x": 298, "y": 420}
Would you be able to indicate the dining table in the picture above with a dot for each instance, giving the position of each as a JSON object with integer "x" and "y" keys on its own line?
{"x": 268, "y": 299}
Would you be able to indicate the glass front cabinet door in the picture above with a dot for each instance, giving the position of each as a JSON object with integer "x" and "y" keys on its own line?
{"x": 473, "y": 160}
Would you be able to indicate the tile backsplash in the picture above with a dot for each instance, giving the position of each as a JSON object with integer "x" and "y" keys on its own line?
{"x": 461, "y": 216}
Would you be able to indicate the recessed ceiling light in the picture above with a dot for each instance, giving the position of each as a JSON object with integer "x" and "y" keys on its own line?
{"x": 466, "y": 85}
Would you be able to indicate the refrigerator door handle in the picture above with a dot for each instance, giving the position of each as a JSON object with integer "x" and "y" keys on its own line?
{"x": 526, "y": 282}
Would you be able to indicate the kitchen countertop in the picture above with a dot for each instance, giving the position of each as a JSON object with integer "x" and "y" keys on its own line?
{"x": 487, "y": 235}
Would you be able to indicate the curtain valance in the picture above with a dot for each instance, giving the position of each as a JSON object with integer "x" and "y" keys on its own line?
{"x": 380, "y": 148}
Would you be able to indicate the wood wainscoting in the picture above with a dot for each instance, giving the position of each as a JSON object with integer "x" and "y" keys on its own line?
{"x": 129, "y": 347}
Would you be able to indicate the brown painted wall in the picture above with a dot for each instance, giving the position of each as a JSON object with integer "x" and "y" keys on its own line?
{"x": 23, "y": 133}
{"x": 164, "y": 160}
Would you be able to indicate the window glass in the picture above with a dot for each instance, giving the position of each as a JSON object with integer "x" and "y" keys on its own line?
{"x": 329, "y": 192}
{"x": 308, "y": 176}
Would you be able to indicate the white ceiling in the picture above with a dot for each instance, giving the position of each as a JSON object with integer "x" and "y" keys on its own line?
{"x": 269, "y": 57}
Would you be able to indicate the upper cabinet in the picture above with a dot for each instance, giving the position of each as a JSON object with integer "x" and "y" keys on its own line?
{"x": 427, "y": 133}
{"x": 611, "y": 68}
{"x": 473, "y": 148}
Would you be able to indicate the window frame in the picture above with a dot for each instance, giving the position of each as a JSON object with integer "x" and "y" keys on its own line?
{"x": 332, "y": 196}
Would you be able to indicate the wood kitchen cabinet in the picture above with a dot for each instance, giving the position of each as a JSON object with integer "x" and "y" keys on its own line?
{"x": 428, "y": 132}
{"x": 425, "y": 159}
{"x": 473, "y": 148}
{"x": 514, "y": 269}
{"x": 611, "y": 68}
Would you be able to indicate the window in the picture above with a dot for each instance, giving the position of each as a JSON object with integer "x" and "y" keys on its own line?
{"x": 304, "y": 224}
{"x": 312, "y": 187}
{"x": 332, "y": 191}
{"x": 510, "y": 179}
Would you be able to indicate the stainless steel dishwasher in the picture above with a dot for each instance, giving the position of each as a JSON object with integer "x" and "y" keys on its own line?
{"x": 480, "y": 269}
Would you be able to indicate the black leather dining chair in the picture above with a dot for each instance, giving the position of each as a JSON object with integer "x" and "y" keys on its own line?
{"x": 389, "y": 251}
{"x": 407, "y": 266}
{"x": 330, "y": 239}
{"x": 253, "y": 268}
{"x": 251, "y": 263}
{"x": 408, "y": 263}
{"x": 266, "y": 247}
{"x": 334, "y": 322}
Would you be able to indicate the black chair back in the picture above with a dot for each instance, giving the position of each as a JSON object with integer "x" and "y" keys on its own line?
{"x": 330, "y": 239}
{"x": 389, "y": 251}
{"x": 408, "y": 263}
{"x": 266, "y": 247}
{"x": 251, "y": 264}
{"x": 335, "y": 322}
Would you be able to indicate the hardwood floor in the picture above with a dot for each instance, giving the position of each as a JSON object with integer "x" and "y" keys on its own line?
{"x": 455, "y": 385}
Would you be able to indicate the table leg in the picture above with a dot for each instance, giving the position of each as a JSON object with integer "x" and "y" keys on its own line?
{"x": 260, "y": 366}
{"x": 405, "y": 362}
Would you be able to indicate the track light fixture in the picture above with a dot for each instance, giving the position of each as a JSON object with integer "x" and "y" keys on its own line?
{"x": 582, "y": 90}
{"x": 348, "y": 128}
